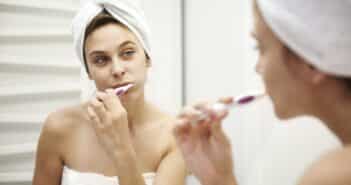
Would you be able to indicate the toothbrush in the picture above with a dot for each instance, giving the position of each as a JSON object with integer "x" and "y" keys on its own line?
{"x": 121, "y": 90}
{"x": 238, "y": 101}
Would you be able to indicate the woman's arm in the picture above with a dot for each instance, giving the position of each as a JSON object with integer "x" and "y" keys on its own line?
{"x": 110, "y": 122}
{"x": 126, "y": 163}
{"x": 172, "y": 169}
{"x": 205, "y": 147}
{"x": 48, "y": 165}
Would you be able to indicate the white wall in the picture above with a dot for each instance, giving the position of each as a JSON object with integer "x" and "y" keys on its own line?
{"x": 164, "y": 87}
{"x": 38, "y": 75}
{"x": 220, "y": 61}
{"x": 217, "y": 61}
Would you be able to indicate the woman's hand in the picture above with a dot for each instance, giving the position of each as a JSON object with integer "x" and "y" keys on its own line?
{"x": 205, "y": 147}
{"x": 110, "y": 121}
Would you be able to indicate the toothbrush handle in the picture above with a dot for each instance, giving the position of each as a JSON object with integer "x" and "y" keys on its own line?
{"x": 240, "y": 100}
{"x": 217, "y": 107}
{"x": 221, "y": 106}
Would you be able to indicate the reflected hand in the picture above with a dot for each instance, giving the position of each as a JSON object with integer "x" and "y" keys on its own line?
{"x": 205, "y": 147}
{"x": 110, "y": 121}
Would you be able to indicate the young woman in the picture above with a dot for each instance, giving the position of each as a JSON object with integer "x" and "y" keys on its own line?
{"x": 110, "y": 139}
{"x": 304, "y": 61}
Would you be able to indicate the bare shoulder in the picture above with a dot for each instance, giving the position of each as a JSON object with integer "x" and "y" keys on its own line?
{"x": 163, "y": 124}
{"x": 332, "y": 169}
{"x": 52, "y": 142}
{"x": 162, "y": 120}
{"x": 167, "y": 124}
{"x": 61, "y": 122}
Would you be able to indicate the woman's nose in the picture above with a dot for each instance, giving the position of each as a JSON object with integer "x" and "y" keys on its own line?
{"x": 118, "y": 70}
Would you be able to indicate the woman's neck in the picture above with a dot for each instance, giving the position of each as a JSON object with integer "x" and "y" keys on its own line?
{"x": 140, "y": 112}
{"x": 337, "y": 116}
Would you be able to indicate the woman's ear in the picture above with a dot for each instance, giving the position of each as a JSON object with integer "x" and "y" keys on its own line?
{"x": 310, "y": 74}
{"x": 318, "y": 77}
{"x": 304, "y": 70}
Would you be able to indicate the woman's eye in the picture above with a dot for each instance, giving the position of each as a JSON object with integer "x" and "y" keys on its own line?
{"x": 255, "y": 44}
{"x": 100, "y": 60}
{"x": 256, "y": 47}
{"x": 128, "y": 53}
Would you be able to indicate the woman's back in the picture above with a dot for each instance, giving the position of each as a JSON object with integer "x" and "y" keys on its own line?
{"x": 331, "y": 169}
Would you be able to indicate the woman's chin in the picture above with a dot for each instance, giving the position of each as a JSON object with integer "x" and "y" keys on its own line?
{"x": 130, "y": 96}
{"x": 284, "y": 114}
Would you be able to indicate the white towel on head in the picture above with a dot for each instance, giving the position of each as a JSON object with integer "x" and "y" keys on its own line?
{"x": 317, "y": 30}
{"x": 128, "y": 12}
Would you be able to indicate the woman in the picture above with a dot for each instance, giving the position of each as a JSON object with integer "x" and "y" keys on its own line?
{"x": 304, "y": 61}
{"x": 110, "y": 139}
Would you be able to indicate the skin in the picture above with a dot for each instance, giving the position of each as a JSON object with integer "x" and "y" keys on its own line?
{"x": 296, "y": 88}
{"x": 108, "y": 135}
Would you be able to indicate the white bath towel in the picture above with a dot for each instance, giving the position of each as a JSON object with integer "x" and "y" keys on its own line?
{"x": 317, "y": 30}
{"x": 128, "y": 12}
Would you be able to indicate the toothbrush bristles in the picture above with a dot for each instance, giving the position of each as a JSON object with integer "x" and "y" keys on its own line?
{"x": 246, "y": 99}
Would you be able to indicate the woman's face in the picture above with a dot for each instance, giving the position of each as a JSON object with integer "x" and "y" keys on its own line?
{"x": 275, "y": 68}
{"x": 115, "y": 57}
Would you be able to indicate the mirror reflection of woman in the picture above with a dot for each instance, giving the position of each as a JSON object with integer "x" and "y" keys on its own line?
{"x": 110, "y": 139}
{"x": 305, "y": 63}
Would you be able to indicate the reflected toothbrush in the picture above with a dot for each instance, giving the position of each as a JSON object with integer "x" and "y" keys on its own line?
{"x": 122, "y": 90}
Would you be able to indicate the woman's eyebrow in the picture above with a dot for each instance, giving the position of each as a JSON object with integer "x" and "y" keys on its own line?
{"x": 126, "y": 43}
{"x": 96, "y": 52}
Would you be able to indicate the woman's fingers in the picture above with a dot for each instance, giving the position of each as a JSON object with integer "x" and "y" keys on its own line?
{"x": 189, "y": 113}
{"x": 226, "y": 100}
{"x": 112, "y": 101}
{"x": 94, "y": 118}
{"x": 191, "y": 123}
{"x": 99, "y": 109}
{"x": 182, "y": 129}
{"x": 212, "y": 125}
{"x": 220, "y": 115}
{"x": 102, "y": 97}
